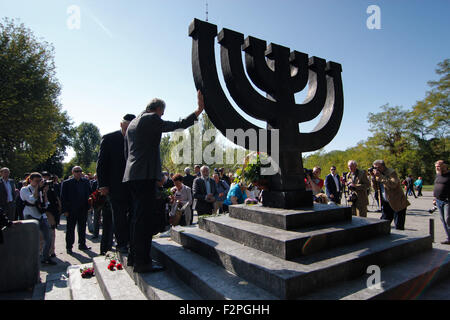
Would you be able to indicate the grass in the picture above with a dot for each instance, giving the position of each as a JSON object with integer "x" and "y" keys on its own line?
{"x": 428, "y": 187}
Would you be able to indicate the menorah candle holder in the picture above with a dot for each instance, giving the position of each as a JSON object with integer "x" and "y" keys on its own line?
{"x": 279, "y": 73}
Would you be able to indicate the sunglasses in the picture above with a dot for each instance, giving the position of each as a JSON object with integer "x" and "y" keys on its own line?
{"x": 77, "y": 171}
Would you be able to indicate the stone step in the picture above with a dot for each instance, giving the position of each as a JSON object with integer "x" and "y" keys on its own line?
{"x": 289, "y": 219}
{"x": 56, "y": 287}
{"x": 405, "y": 280}
{"x": 83, "y": 289}
{"x": 289, "y": 244}
{"x": 160, "y": 285}
{"x": 291, "y": 279}
{"x": 116, "y": 285}
{"x": 207, "y": 279}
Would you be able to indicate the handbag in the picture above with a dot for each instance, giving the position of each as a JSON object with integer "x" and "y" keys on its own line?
{"x": 177, "y": 213}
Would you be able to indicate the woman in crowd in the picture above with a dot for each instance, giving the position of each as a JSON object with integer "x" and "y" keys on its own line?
{"x": 182, "y": 195}
{"x": 236, "y": 195}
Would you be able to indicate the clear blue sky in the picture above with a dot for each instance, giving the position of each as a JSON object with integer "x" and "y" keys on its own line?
{"x": 127, "y": 52}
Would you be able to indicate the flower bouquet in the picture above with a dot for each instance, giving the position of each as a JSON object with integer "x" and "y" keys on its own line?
{"x": 251, "y": 172}
{"x": 97, "y": 200}
{"x": 113, "y": 262}
{"x": 87, "y": 273}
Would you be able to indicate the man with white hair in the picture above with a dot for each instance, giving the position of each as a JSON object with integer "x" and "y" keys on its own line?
{"x": 8, "y": 194}
{"x": 142, "y": 171}
{"x": 358, "y": 186}
{"x": 205, "y": 192}
{"x": 390, "y": 192}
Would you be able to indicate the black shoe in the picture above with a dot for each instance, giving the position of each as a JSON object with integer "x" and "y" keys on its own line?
{"x": 148, "y": 268}
{"x": 85, "y": 247}
{"x": 53, "y": 255}
{"x": 94, "y": 236}
{"x": 49, "y": 261}
{"x": 445, "y": 242}
{"x": 69, "y": 251}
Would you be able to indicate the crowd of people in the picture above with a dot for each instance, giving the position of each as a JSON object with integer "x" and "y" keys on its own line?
{"x": 81, "y": 199}
{"x": 133, "y": 199}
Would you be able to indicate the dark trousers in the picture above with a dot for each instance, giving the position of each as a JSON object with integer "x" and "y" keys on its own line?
{"x": 120, "y": 208}
{"x": 77, "y": 218}
{"x": 143, "y": 220}
{"x": 108, "y": 227}
{"x": 410, "y": 190}
{"x": 388, "y": 213}
{"x": 419, "y": 192}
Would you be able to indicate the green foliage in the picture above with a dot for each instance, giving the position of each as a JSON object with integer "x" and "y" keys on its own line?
{"x": 31, "y": 119}
{"x": 86, "y": 144}
{"x": 168, "y": 144}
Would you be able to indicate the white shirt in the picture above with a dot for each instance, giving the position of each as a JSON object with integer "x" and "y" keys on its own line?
{"x": 27, "y": 194}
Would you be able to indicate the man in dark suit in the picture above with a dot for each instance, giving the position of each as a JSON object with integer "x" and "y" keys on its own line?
{"x": 8, "y": 194}
{"x": 142, "y": 171}
{"x": 333, "y": 187}
{"x": 75, "y": 194}
{"x": 205, "y": 192}
{"x": 188, "y": 179}
{"x": 110, "y": 168}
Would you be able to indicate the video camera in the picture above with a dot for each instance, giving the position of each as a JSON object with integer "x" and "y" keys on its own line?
{"x": 307, "y": 172}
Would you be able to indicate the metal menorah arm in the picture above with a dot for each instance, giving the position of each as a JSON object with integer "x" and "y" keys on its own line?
{"x": 333, "y": 111}
{"x": 220, "y": 111}
{"x": 317, "y": 93}
{"x": 255, "y": 62}
{"x": 299, "y": 79}
{"x": 237, "y": 82}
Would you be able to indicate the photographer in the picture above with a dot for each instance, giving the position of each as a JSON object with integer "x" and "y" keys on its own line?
{"x": 313, "y": 181}
{"x": 34, "y": 196}
{"x": 357, "y": 184}
{"x": 53, "y": 208}
{"x": 385, "y": 181}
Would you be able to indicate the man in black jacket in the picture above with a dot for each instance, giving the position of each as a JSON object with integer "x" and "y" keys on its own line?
{"x": 75, "y": 194}
{"x": 143, "y": 170}
{"x": 110, "y": 168}
{"x": 8, "y": 193}
{"x": 205, "y": 192}
{"x": 333, "y": 187}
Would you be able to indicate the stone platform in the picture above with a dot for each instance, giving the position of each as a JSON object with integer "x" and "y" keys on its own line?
{"x": 299, "y": 256}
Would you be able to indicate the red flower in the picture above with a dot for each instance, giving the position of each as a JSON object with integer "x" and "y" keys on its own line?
{"x": 113, "y": 262}
{"x": 119, "y": 266}
{"x": 111, "y": 267}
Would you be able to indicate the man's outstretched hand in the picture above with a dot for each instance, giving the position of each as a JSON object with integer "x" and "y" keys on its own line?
{"x": 200, "y": 103}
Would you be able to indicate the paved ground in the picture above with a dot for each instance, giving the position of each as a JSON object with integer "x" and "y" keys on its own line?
{"x": 417, "y": 219}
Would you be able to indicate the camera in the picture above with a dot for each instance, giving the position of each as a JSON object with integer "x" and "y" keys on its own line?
{"x": 46, "y": 183}
{"x": 307, "y": 172}
{"x": 432, "y": 209}
{"x": 370, "y": 170}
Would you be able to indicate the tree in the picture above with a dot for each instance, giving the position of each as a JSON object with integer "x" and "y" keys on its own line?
{"x": 86, "y": 144}
{"x": 54, "y": 164}
{"x": 30, "y": 112}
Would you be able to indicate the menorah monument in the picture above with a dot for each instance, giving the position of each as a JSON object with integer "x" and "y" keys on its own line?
{"x": 279, "y": 73}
